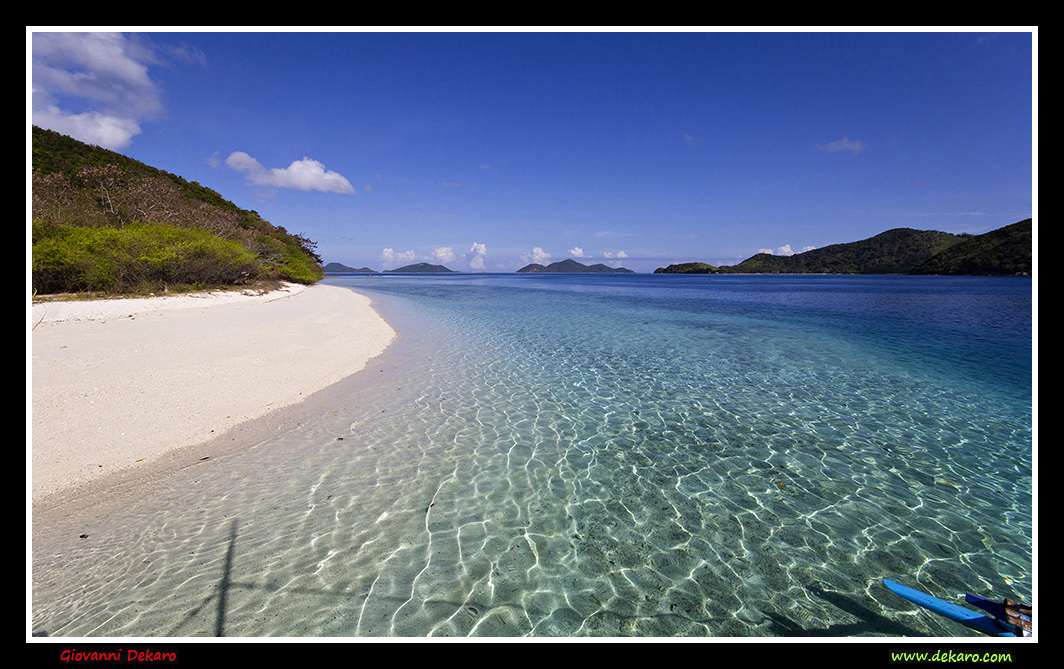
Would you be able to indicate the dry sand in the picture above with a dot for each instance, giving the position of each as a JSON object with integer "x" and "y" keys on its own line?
{"x": 119, "y": 384}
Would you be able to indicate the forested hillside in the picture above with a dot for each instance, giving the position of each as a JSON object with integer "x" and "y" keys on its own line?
{"x": 104, "y": 222}
{"x": 892, "y": 252}
{"x": 1005, "y": 251}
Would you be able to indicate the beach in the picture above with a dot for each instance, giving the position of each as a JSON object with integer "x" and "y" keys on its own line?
{"x": 120, "y": 385}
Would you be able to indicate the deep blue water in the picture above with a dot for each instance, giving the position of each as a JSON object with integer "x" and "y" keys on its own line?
{"x": 614, "y": 455}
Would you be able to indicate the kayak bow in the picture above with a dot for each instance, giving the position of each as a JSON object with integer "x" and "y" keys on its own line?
{"x": 960, "y": 614}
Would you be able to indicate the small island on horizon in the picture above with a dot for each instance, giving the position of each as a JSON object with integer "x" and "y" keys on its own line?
{"x": 416, "y": 268}
{"x": 340, "y": 268}
{"x": 419, "y": 268}
{"x": 1007, "y": 251}
{"x": 570, "y": 266}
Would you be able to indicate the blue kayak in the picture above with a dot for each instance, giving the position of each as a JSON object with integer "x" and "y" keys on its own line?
{"x": 965, "y": 616}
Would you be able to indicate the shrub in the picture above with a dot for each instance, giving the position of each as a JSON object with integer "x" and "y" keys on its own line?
{"x": 86, "y": 204}
{"x": 72, "y": 258}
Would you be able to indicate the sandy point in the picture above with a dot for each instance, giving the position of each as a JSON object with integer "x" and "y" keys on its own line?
{"x": 118, "y": 384}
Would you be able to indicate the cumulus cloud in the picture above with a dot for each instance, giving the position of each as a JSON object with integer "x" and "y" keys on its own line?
{"x": 577, "y": 252}
{"x": 618, "y": 254}
{"x": 785, "y": 250}
{"x": 443, "y": 254}
{"x": 96, "y": 87}
{"x": 479, "y": 253}
{"x": 304, "y": 175}
{"x": 389, "y": 256}
{"x": 844, "y": 144}
{"x": 537, "y": 255}
{"x": 475, "y": 258}
{"x": 89, "y": 127}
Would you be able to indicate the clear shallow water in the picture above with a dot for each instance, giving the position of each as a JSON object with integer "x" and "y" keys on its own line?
{"x": 561, "y": 455}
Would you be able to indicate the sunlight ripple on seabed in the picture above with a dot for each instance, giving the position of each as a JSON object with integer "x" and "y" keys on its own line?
{"x": 721, "y": 470}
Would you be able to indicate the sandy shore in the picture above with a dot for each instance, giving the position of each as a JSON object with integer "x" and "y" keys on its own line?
{"x": 120, "y": 384}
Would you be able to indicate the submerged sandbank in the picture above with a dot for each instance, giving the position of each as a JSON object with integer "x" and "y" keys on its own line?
{"x": 117, "y": 385}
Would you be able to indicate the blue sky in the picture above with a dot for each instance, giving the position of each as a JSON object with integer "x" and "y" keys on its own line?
{"x": 488, "y": 150}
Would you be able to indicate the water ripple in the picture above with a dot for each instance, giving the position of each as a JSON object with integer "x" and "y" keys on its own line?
{"x": 737, "y": 473}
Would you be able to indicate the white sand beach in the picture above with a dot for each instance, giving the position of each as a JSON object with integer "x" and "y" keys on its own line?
{"x": 118, "y": 384}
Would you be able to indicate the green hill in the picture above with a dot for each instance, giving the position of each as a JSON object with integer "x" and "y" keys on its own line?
{"x": 1007, "y": 251}
{"x": 420, "y": 268}
{"x": 892, "y": 252}
{"x": 104, "y": 222}
{"x": 687, "y": 268}
{"x": 340, "y": 268}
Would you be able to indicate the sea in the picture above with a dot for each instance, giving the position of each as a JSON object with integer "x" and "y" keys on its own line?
{"x": 606, "y": 455}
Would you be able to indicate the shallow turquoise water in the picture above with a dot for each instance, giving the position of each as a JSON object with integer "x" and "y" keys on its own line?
{"x": 650, "y": 455}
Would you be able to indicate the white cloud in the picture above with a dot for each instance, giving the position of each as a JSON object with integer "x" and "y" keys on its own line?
{"x": 538, "y": 255}
{"x": 242, "y": 162}
{"x": 785, "y": 250}
{"x": 618, "y": 254}
{"x": 389, "y": 256}
{"x": 96, "y": 87}
{"x": 577, "y": 252}
{"x": 90, "y": 127}
{"x": 479, "y": 251}
{"x": 304, "y": 175}
{"x": 476, "y": 258}
{"x": 844, "y": 144}
{"x": 444, "y": 254}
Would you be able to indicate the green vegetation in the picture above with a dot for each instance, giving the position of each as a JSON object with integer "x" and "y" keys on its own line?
{"x": 687, "y": 268}
{"x": 344, "y": 269}
{"x": 104, "y": 259}
{"x": 104, "y": 222}
{"x": 421, "y": 267}
{"x": 892, "y": 252}
{"x": 1006, "y": 252}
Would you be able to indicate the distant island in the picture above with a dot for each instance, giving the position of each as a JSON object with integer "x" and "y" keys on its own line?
{"x": 688, "y": 268}
{"x": 419, "y": 268}
{"x": 336, "y": 267}
{"x": 570, "y": 266}
{"x": 1007, "y": 251}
